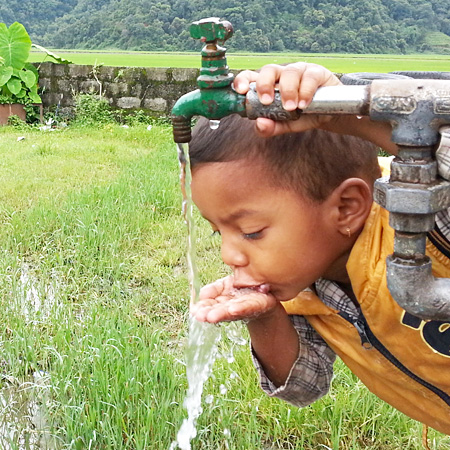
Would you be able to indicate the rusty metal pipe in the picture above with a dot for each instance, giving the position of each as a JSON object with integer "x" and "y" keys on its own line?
{"x": 416, "y": 290}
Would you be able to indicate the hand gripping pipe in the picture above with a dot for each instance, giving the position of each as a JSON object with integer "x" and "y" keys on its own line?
{"x": 414, "y": 193}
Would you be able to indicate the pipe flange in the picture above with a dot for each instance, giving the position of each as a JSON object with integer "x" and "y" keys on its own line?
{"x": 416, "y": 171}
{"x": 406, "y": 198}
{"x": 412, "y": 223}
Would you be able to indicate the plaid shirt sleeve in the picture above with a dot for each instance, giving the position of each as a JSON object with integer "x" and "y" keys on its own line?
{"x": 311, "y": 374}
{"x": 440, "y": 236}
{"x": 443, "y": 222}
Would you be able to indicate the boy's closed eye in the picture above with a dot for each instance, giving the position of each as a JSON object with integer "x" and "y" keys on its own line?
{"x": 253, "y": 236}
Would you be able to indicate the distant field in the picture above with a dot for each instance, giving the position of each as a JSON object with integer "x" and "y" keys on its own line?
{"x": 335, "y": 62}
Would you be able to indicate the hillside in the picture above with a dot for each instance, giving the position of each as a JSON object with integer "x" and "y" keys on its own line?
{"x": 366, "y": 26}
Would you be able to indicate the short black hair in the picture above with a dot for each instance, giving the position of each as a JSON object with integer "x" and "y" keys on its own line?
{"x": 312, "y": 162}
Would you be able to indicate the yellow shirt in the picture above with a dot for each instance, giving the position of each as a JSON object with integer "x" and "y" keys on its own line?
{"x": 408, "y": 364}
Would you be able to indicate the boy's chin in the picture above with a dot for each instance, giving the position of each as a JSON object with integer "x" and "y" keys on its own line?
{"x": 284, "y": 295}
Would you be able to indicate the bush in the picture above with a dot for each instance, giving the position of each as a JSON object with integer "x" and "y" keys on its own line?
{"x": 92, "y": 109}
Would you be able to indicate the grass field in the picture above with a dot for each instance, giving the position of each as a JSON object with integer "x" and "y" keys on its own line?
{"x": 93, "y": 312}
{"x": 337, "y": 63}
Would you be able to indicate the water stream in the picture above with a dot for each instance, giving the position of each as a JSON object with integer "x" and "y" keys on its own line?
{"x": 201, "y": 350}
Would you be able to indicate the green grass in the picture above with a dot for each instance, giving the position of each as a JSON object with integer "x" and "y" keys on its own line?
{"x": 438, "y": 40}
{"x": 91, "y": 227}
{"x": 336, "y": 62}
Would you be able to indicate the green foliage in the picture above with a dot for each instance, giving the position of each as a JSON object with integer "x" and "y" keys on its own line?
{"x": 366, "y": 26}
{"x": 92, "y": 109}
{"x": 16, "y": 122}
{"x": 437, "y": 40}
{"x": 15, "y": 45}
{"x": 18, "y": 78}
{"x": 52, "y": 55}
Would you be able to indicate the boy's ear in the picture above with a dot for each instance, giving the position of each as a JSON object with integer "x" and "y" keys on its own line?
{"x": 351, "y": 202}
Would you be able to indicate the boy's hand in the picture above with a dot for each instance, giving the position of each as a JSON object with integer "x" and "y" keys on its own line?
{"x": 222, "y": 302}
{"x": 297, "y": 84}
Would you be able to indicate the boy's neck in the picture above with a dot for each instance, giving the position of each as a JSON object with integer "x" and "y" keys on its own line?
{"x": 338, "y": 270}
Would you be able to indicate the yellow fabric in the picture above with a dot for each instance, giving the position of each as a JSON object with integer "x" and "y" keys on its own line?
{"x": 412, "y": 345}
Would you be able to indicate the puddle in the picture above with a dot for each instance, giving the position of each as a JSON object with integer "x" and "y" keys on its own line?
{"x": 35, "y": 304}
{"x": 23, "y": 421}
{"x": 23, "y": 425}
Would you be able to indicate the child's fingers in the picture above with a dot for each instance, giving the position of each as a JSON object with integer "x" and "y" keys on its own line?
{"x": 250, "y": 306}
{"x": 268, "y": 127}
{"x": 290, "y": 80}
{"x": 219, "y": 287}
{"x": 213, "y": 313}
{"x": 314, "y": 76}
{"x": 267, "y": 78}
{"x": 211, "y": 290}
{"x": 242, "y": 81}
{"x": 244, "y": 307}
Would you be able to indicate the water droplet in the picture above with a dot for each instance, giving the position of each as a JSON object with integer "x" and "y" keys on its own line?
{"x": 223, "y": 389}
{"x": 214, "y": 124}
{"x": 209, "y": 399}
{"x": 226, "y": 432}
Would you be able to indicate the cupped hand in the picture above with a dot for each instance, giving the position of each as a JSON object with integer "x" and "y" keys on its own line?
{"x": 297, "y": 84}
{"x": 222, "y": 302}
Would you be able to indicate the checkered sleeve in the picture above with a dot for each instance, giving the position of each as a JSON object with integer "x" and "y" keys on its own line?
{"x": 440, "y": 236}
{"x": 311, "y": 374}
{"x": 443, "y": 222}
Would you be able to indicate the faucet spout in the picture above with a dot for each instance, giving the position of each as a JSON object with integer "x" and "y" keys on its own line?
{"x": 213, "y": 104}
{"x": 215, "y": 97}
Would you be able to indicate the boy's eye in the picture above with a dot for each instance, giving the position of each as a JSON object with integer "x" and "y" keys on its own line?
{"x": 253, "y": 236}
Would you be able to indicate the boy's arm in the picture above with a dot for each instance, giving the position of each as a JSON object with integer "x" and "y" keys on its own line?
{"x": 310, "y": 375}
{"x": 297, "y": 84}
{"x": 275, "y": 344}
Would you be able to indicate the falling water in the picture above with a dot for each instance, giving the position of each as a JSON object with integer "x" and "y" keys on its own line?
{"x": 201, "y": 348}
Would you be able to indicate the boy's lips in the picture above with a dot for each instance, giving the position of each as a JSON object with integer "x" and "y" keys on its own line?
{"x": 261, "y": 288}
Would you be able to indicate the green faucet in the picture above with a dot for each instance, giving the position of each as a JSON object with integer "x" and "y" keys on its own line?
{"x": 216, "y": 97}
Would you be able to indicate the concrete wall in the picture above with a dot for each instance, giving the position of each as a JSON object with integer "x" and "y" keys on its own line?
{"x": 154, "y": 90}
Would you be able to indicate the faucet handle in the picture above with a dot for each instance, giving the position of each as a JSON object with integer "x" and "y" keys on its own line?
{"x": 211, "y": 30}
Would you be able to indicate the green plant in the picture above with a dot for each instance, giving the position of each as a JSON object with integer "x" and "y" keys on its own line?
{"x": 17, "y": 122}
{"x": 19, "y": 78}
{"x": 91, "y": 109}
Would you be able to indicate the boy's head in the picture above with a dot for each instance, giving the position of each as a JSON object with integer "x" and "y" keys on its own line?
{"x": 288, "y": 208}
{"x": 312, "y": 163}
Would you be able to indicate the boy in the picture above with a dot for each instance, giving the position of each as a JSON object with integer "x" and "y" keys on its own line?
{"x": 307, "y": 247}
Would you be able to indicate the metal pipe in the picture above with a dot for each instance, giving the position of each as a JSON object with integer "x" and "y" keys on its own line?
{"x": 416, "y": 290}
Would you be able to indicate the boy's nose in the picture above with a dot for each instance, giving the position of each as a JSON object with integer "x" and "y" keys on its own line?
{"x": 231, "y": 255}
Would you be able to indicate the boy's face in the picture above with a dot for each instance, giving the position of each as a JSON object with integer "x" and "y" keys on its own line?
{"x": 269, "y": 235}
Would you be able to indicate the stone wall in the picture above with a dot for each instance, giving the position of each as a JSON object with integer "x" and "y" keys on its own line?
{"x": 154, "y": 90}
